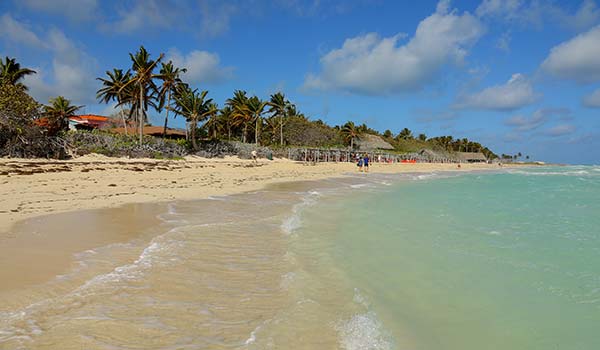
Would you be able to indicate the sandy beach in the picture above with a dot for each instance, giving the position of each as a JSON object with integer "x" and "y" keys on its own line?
{"x": 32, "y": 188}
{"x": 98, "y": 251}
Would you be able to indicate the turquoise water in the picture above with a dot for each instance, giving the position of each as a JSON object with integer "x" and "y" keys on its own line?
{"x": 508, "y": 260}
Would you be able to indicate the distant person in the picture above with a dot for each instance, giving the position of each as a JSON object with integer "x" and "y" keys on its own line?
{"x": 366, "y": 163}
{"x": 359, "y": 164}
{"x": 254, "y": 156}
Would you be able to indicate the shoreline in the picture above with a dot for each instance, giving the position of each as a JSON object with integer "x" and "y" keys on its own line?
{"x": 34, "y": 188}
{"x": 110, "y": 247}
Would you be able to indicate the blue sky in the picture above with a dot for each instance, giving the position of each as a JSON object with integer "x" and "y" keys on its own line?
{"x": 516, "y": 75}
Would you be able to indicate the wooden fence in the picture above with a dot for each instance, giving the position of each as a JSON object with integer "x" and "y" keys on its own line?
{"x": 317, "y": 155}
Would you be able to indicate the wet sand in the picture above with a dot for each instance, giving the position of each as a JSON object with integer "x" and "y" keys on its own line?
{"x": 38, "y": 249}
{"x": 203, "y": 274}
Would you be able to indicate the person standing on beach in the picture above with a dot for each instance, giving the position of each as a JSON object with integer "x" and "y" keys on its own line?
{"x": 254, "y": 155}
{"x": 359, "y": 163}
{"x": 366, "y": 163}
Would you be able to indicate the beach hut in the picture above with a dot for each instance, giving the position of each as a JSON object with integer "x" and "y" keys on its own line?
{"x": 368, "y": 142}
{"x": 471, "y": 157}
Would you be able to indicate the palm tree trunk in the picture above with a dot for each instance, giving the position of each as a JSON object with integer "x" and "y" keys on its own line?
{"x": 124, "y": 122}
{"x": 244, "y": 136}
{"x": 193, "y": 134}
{"x": 167, "y": 116}
{"x": 256, "y": 130}
{"x": 140, "y": 114}
{"x": 281, "y": 129}
{"x": 352, "y": 143}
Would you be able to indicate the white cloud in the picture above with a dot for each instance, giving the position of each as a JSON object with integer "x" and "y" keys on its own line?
{"x": 560, "y": 130}
{"x": 507, "y": 9}
{"x": 74, "y": 82}
{"x": 503, "y": 43}
{"x": 521, "y": 123}
{"x": 514, "y": 94}
{"x": 537, "y": 12}
{"x": 17, "y": 32}
{"x": 75, "y": 10}
{"x": 209, "y": 19}
{"x": 202, "y": 66}
{"x": 71, "y": 73}
{"x": 215, "y": 17}
{"x": 592, "y": 100}
{"x": 586, "y": 16}
{"x": 369, "y": 64}
{"x": 576, "y": 59}
{"x": 144, "y": 14}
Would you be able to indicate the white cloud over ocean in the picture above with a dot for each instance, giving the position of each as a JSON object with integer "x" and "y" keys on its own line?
{"x": 517, "y": 92}
{"x": 576, "y": 59}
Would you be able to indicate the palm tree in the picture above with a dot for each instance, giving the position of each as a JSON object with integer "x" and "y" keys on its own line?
{"x": 240, "y": 113}
{"x": 350, "y": 132}
{"x": 226, "y": 117}
{"x": 193, "y": 106}
{"x": 279, "y": 106}
{"x": 58, "y": 112}
{"x": 111, "y": 90}
{"x": 11, "y": 73}
{"x": 169, "y": 75}
{"x": 216, "y": 124}
{"x": 143, "y": 82}
{"x": 405, "y": 134}
{"x": 256, "y": 107}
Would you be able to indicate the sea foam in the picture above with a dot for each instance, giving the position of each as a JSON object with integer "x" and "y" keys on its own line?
{"x": 294, "y": 221}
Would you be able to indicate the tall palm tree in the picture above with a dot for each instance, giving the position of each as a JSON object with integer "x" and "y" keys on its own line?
{"x": 350, "y": 132}
{"x": 11, "y": 72}
{"x": 169, "y": 74}
{"x": 58, "y": 112}
{"x": 225, "y": 115}
{"x": 240, "y": 113}
{"x": 256, "y": 107}
{"x": 216, "y": 124}
{"x": 111, "y": 90}
{"x": 193, "y": 106}
{"x": 143, "y": 85}
{"x": 278, "y": 106}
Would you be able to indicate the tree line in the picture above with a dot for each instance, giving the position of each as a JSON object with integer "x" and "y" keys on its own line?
{"x": 154, "y": 84}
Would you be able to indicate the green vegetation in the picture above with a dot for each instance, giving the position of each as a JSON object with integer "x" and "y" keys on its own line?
{"x": 57, "y": 114}
{"x": 11, "y": 73}
{"x": 152, "y": 84}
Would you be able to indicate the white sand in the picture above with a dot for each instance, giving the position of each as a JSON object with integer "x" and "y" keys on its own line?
{"x": 95, "y": 181}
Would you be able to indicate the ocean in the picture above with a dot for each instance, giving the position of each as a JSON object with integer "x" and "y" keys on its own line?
{"x": 440, "y": 261}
